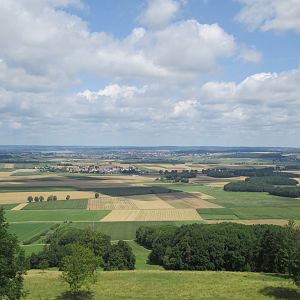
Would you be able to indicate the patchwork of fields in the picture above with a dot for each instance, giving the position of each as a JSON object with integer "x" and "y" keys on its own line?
{"x": 152, "y": 215}
{"x": 127, "y": 202}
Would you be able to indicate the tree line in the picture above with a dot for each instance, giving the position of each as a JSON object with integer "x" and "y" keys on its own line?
{"x": 110, "y": 256}
{"x": 42, "y": 198}
{"x": 274, "y": 185}
{"x": 175, "y": 176}
{"x": 227, "y": 173}
{"x": 253, "y": 172}
{"x": 226, "y": 246}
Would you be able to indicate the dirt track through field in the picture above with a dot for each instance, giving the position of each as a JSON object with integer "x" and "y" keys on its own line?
{"x": 203, "y": 196}
{"x": 20, "y": 206}
{"x": 152, "y": 215}
{"x": 217, "y": 184}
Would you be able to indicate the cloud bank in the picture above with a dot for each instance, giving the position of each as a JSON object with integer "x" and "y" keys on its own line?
{"x": 156, "y": 90}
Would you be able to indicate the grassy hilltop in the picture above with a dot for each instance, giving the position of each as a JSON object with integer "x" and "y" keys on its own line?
{"x": 168, "y": 285}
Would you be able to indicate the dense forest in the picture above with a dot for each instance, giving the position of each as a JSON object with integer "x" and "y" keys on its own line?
{"x": 111, "y": 256}
{"x": 175, "y": 176}
{"x": 226, "y": 246}
{"x": 227, "y": 173}
{"x": 274, "y": 185}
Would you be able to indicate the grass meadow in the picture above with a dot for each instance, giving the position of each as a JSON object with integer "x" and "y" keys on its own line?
{"x": 64, "y": 204}
{"x": 8, "y": 206}
{"x": 25, "y": 231}
{"x": 59, "y": 215}
{"x": 141, "y": 256}
{"x": 157, "y": 284}
{"x": 124, "y": 230}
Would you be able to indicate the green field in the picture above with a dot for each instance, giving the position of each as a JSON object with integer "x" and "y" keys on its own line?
{"x": 244, "y": 205}
{"x": 48, "y": 205}
{"x": 141, "y": 256}
{"x": 122, "y": 230}
{"x": 34, "y": 248}
{"x": 55, "y": 215}
{"x": 47, "y": 188}
{"x": 36, "y": 172}
{"x": 132, "y": 190}
{"x": 239, "y": 199}
{"x": 251, "y": 213}
{"x": 167, "y": 285}
{"x": 8, "y": 206}
{"x": 5, "y": 169}
{"x": 25, "y": 231}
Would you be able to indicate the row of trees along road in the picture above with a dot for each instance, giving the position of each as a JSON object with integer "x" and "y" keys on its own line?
{"x": 42, "y": 198}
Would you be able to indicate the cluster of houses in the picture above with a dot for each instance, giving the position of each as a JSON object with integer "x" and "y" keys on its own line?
{"x": 92, "y": 169}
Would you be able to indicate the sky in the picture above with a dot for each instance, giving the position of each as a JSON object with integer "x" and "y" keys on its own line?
{"x": 150, "y": 72}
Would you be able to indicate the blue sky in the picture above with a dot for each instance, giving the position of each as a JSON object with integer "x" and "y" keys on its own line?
{"x": 150, "y": 72}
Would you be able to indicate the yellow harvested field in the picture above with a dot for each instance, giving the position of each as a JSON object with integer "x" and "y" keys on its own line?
{"x": 164, "y": 167}
{"x": 235, "y": 178}
{"x": 217, "y": 184}
{"x": 128, "y": 203}
{"x": 8, "y": 166}
{"x": 21, "y": 197}
{"x": 20, "y": 206}
{"x": 152, "y": 215}
{"x": 187, "y": 200}
{"x": 110, "y": 203}
{"x": 5, "y": 175}
{"x": 293, "y": 172}
{"x": 298, "y": 179}
{"x": 152, "y": 204}
{"x": 202, "y": 196}
{"x": 126, "y": 179}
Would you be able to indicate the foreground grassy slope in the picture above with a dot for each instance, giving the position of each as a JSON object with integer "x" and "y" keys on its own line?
{"x": 168, "y": 285}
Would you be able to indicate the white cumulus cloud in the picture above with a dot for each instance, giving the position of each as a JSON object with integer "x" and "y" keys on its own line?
{"x": 280, "y": 15}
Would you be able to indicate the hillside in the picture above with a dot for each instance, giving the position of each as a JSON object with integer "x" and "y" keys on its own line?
{"x": 168, "y": 285}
